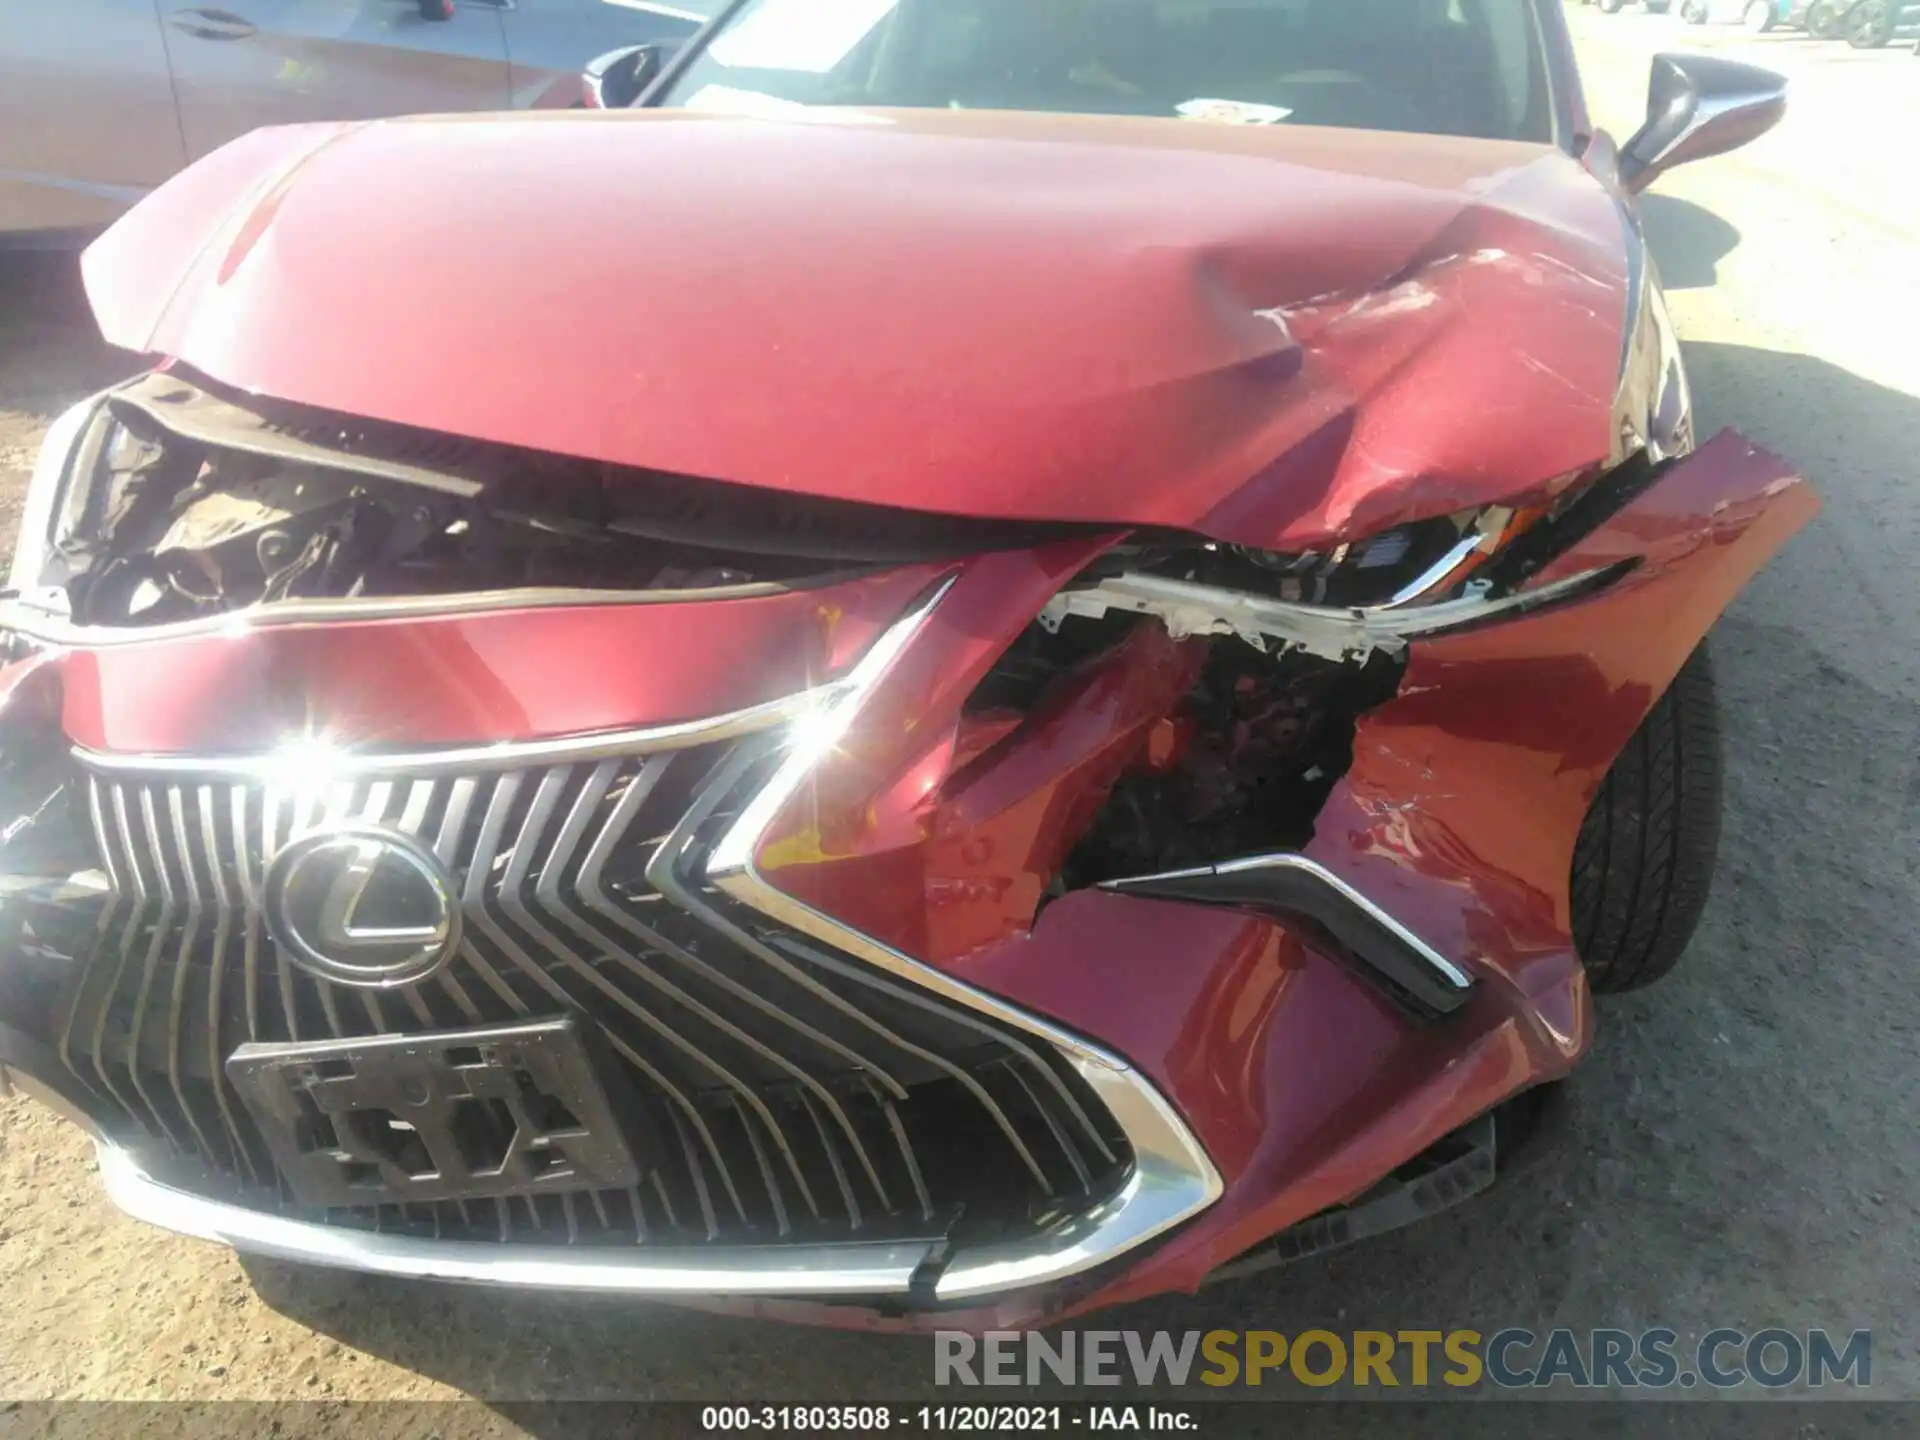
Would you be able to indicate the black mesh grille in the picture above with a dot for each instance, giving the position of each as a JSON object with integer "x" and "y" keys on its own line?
{"x": 801, "y": 1093}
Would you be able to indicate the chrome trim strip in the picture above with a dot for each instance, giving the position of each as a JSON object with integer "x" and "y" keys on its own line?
{"x": 1636, "y": 246}
{"x": 1448, "y": 972}
{"x": 1436, "y": 572}
{"x": 1334, "y": 634}
{"x": 879, "y": 1268}
{"x": 306, "y": 762}
{"x": 1173, "y": 1179}
{"x": 1484, "y": 534}
{"x": 48, "y": 625}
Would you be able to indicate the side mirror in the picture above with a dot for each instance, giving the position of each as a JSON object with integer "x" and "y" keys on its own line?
{"x": 1700, "y": 105}
{"x": 620, "y": 77}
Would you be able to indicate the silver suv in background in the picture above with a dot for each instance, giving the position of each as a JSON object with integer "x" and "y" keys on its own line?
{"x": 101, "y": 100}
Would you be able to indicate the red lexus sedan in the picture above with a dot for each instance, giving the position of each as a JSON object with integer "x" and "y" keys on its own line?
{"x": 987, "y": 657}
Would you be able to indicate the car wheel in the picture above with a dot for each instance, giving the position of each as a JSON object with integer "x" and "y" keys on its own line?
{"x": 1869, "y": 25}
{"x": 1644, "y": 859}
{"x": 1823, "y": 20}
{"x": 1759, "y": 16}
{"x": 1611, "y": 7}
{"x": 1694, "y": 12}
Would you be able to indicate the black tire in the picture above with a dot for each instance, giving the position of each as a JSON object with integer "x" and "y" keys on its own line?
{"x": 1694, "y": 12}
{"x": 1644, "y": 861}
{"x": 1611, "y": 7}
{"x": 1823, "y": 19}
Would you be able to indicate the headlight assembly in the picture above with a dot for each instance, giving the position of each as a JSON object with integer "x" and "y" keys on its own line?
{"x": 1418, "y": 563}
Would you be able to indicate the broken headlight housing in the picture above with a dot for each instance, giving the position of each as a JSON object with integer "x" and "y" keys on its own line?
{"x": 1417, "y": 563}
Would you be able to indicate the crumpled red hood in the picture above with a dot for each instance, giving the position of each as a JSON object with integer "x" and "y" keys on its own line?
{"x": 1272, "y": 335}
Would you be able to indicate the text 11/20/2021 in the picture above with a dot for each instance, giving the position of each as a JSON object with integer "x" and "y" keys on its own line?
{"x": 945, "y": 1419}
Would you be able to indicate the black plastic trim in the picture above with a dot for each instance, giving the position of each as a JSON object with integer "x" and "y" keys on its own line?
{"x": 1405, "y": 968}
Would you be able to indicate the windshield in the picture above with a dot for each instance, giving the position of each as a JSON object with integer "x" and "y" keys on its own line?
{"x": 1446, "y": 67}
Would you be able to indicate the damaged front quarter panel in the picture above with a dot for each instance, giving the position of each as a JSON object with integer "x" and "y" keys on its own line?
{"x": 1455, "y": 814}
{"x": 1268, "y": 624}
{"x": 1466, "y": 792}
{"x": 1148, "y": 724}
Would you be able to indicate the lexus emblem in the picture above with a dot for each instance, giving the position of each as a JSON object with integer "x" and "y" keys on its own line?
{"x": 361, "y": 905}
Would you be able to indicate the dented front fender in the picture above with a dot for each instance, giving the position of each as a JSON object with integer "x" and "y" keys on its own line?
{"x": 1458, "y": 816}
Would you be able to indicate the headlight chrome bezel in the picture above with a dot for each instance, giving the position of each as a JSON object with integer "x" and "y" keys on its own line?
{"x": 1653, "y": 409}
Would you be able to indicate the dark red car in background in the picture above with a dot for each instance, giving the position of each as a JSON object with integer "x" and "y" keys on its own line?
{"x": 986, "y": 658}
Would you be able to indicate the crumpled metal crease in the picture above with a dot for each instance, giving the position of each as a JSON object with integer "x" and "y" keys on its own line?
{"x": 1273, "y": 336}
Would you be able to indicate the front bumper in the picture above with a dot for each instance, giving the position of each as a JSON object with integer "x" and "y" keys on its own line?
{"x": 1253, "y": 1080}
{"x": 567, "y": 883}
{"x": 870, "y": 1271}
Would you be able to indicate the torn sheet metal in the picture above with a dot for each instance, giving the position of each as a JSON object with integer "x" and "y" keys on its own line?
{"x": 1332, "y": 634}
{"x": 194, "y": 414}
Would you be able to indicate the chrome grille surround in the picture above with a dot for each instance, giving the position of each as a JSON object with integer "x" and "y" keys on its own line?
{"x": 817, "y": 1165}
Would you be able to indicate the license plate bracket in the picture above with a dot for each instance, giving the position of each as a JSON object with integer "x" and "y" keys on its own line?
{"x": 512, "y": 1110}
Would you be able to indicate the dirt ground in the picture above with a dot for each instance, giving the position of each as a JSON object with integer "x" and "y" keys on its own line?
{"x": 1740, "y": 1148}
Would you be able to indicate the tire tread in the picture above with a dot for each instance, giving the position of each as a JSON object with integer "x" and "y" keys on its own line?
{"x": 1643, "y": 863}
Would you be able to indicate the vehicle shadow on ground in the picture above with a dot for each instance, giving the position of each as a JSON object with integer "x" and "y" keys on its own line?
{"x": 1688, "y": 241}
{"x": 1734, "y": 1152}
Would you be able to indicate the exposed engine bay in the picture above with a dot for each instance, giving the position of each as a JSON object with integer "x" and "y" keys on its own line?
{"x": 187, "y": 501}
{"x": 1241, "y": 766}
